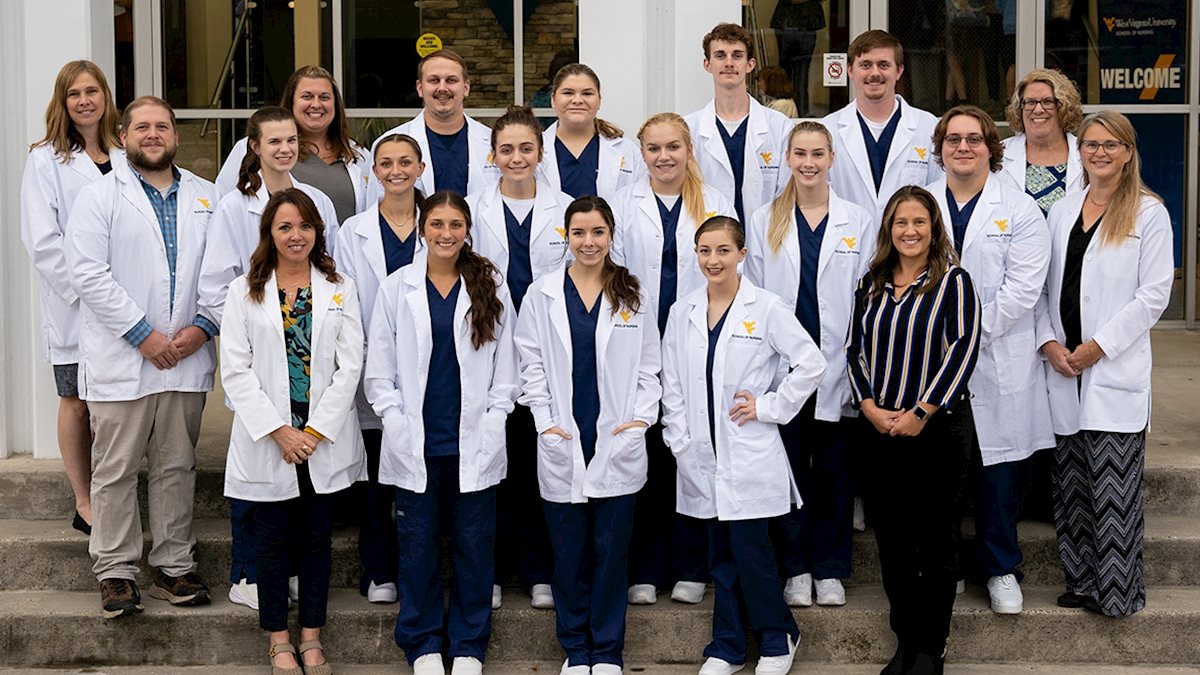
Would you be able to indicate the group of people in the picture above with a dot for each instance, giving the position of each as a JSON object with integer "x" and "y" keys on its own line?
{"x": 602, "y": 365}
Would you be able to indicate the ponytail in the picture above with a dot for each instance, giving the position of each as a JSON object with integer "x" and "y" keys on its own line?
{"x": 781, "y": 206}
{"x": 693, "y": 180}
{"x": 249, "y": 180}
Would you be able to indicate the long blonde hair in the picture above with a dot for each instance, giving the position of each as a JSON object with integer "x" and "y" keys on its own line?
{"x": 693, "y": 180}
{"x": 61, "y": 133}
{"x": 1118, "y": 220}
{"x": 781, "y": 207}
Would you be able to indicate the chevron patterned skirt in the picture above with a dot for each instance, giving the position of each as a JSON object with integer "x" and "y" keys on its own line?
{"x": 1097, "y": 480}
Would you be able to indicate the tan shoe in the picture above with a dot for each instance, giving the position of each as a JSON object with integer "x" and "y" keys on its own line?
{"x": 283, "y": 648}
{"x": 320, "y": 669}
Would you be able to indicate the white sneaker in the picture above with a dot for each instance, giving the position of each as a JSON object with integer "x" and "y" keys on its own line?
{"x": 830, "y": 592}
{"x": 541, "y": 597}
{"x": 294, "y": 589}
{"x": 466, "y": 665}
{"x": 383, "y": 594}
{"x": 715, "y": 666}
{"x": 245, "y": 594}
{"x": 497, "y": 596}
{"x": 960, "y": 587}
{"x": 777, "y": 665}
{"x": 1006, "y": 595}
{"x": 798, "y": 591}
{"x": 573, "y": 670}
{"x": 860, "y": 517}
{"x": 642, "y": 594}
{"x": 691, "y": 592}
{"x": 606, "y": 669}
{"x": 429, "y": 664}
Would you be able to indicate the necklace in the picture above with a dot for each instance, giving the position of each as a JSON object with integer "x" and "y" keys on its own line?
{"x": 1096, "y": 203}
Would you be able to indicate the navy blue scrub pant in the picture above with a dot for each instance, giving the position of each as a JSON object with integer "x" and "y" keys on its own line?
{"x": 997, "y": 496}
{"x": 243, "y": 549}
{"x": 591, "y": 556}
{"x": 816, "y": 538}
{"x": 748, "y": 595}
{"x": 667, "y": 546}
{"x": 470, "y": 519}
{"x": 298, "y": 529}
{"x": 376, "y": 531}
{"x": 522, "y": 543}
{"x": 915, "y": 487}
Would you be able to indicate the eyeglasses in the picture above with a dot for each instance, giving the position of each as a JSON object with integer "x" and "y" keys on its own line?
{"x": 1046, "y": 103}
{"x": 973, "y": 140}
{"x": 1110, "y": 147}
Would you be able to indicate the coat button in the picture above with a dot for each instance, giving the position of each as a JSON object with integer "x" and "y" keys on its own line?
{"x": 1087, "y": 298}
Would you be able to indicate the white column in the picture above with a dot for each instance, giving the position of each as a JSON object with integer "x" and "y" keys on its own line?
{"x": 648, "y": 54}
{"x": 38, "y": 38}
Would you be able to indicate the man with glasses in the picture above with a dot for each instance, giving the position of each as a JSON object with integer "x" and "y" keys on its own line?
{"x": 1003, "y": 243}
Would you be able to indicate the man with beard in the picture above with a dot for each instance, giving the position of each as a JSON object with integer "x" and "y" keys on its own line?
{"x": 882, "y": 143}
{"x": 456, "y": 148}
{"x": 135, "y": 239}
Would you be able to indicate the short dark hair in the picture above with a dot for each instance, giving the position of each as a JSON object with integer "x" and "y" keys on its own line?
{"x": 729, "y": 32}
{"x": 991, "y": 134}
{"x": 874, "y": 39}
{"x": 141, "y": 102}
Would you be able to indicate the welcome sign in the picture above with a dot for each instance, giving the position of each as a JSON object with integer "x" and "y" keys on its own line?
{"x": 1142, "y": 51}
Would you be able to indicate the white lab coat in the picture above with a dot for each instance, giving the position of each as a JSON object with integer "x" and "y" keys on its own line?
{"x": 1014, "y": 162}
{"x": 765, "y": 155}
{"x": 620, "y": 163}
{"x": 547, "y": 233}
{"x": 360, "y": 256}
{"x": 367, "y": 188}
{"x": 254, "y": 373}
{"x": 118, "y": 264}
{"x": 1124, "y": 290}
{"x": 846, "y": 251}
{"x": 481, "y": 170}
{"x": 748, "y": 475}
{"x": 233, "y": 236}
{"x": 628, "y": 360}
{"x": 910, "y": 159}
{"x": 638, "y": 239}
{"x": 48, "y": 190}
{"x": 398, "y": 370}
{"x": 1006, "y": 251}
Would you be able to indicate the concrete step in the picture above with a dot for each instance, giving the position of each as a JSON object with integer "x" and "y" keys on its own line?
{"x": 62, "y": 629}
{"x": 49, "y": 555}
{"x": 549, "y": 667}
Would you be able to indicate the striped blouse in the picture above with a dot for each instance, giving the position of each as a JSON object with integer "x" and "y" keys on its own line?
{"x": 920, "y": 347}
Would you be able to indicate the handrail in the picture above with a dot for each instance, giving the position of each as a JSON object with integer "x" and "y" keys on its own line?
{"x": 226, "y": 70}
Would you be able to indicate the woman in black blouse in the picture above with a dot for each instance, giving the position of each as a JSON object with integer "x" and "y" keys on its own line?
{"x": 912, "y": 347}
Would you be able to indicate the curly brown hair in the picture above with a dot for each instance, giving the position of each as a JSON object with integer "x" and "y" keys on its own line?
{"x": 729, "y": 32}
{"x": 1070, "y": 106}
{"x": 265, "y": 258}
{"x": 991, "y": 134}
{"x": 620, "y": 287}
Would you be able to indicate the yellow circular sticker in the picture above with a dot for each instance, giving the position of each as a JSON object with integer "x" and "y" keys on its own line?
{"x": 428, "y": 44}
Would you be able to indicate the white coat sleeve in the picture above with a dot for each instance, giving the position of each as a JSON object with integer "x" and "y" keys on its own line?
{"x": 674, "y": 403}
{"x": 221, "y": 263}
{"x": 329, "y": 218}
{"x": 1025, "y": 269}
{"x": 328, "y": 416}
{"x": 805, "y": 363}
{"x": 756, "y": 246}
{"x": 228, "y": 176}
{"x": 620, "y": 231}
{"x": 245, "y": 391}
{"x": 381, "y": 379}
{"x": 89, "y": 232}
{"x": 41, "y": 231}
{"x": 868, "y": 241}
{"x": 502, "y": 393}
{"x": 535, "y": 388}
{"x": 1156, "y": 273}
{"x": 649, "y": 387}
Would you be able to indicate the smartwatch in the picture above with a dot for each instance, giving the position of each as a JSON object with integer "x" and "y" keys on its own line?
{"x": 921, "y": 413}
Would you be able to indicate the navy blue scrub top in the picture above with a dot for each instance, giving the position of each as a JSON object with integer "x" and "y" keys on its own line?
{"x": 396, "y": 252}
{"x": 714, "y": 334}
{"x": 450, "y": 156}
{"x": 443, "y": 389}
{"x": 960, "y": 219}
{"x": 668, "y": 280}
{"x": 877, "y": 150}
{"x": 808, "y": 311}
{"x": 735, "y": 147}
{"x": 520, "y": 269}
{"x": 578, "y": 174}
{"x": 585, "y": 387}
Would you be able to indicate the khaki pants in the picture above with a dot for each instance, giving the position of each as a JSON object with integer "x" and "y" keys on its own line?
{"x": 164, "y": 428}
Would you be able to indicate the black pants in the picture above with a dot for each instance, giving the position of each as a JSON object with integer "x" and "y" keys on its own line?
{"x": 915, "y": 489}
{"x": 522, "y": 542}
{"x": 376, "y": 530}
{"x": 300, "y": 527}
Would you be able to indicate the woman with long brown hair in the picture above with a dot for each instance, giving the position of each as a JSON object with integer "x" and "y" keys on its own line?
{"x": 80, "y": 146}
{"x": 291, "y": 356}
{"x": 593, "y": 389}
{"x": 441, "y": 374}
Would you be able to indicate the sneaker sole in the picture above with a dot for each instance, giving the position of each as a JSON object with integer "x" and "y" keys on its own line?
{"x": 793, "y": 602}
{"x": 831, "y": 604}
{"x": 238, "y": 599}
{"x": 118, "y": 613}
{"x": 1010, "y": 609}
{"x": 201, "y": 598}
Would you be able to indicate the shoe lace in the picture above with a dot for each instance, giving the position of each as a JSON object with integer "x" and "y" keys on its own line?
{"x": 1007, "y": 581}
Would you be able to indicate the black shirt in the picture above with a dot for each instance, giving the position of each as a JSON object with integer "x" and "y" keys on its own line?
{"x": 1068, "y": 306}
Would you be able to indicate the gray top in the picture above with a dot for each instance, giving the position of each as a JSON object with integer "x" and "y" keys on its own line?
{"x": 333, "y": 180}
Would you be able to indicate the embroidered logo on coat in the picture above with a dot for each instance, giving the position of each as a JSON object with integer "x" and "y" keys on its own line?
{"x": 850, "y": 242}
{"x": 709, "y": 214}
{"x": 204, "y": 202}
{"x": 766, "y": 157}
{"x": 337, "y": 299}
{"x": 1002, "y": 225}
{"x": 626, "y": 315}
{"x": 562, "y": 232}
{"x": 921, "y": 152}
{"x": 749, "y": 325}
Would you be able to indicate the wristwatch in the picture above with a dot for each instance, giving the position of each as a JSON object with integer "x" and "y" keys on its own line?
{"x": 921, "y": 413}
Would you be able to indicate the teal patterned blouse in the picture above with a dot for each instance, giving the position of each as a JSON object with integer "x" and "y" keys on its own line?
{"x": 1046, "y": 184}
{"x": 297, "y": 340}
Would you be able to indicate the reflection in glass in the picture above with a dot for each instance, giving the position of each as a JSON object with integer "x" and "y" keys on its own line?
{"x": 791, "y": 35}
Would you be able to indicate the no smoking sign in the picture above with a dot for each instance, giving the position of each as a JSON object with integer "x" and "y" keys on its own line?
{"x": 835, "y": 70}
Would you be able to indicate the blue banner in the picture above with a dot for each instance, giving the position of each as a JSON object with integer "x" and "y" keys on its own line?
{"x": 1142, "y": 50}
